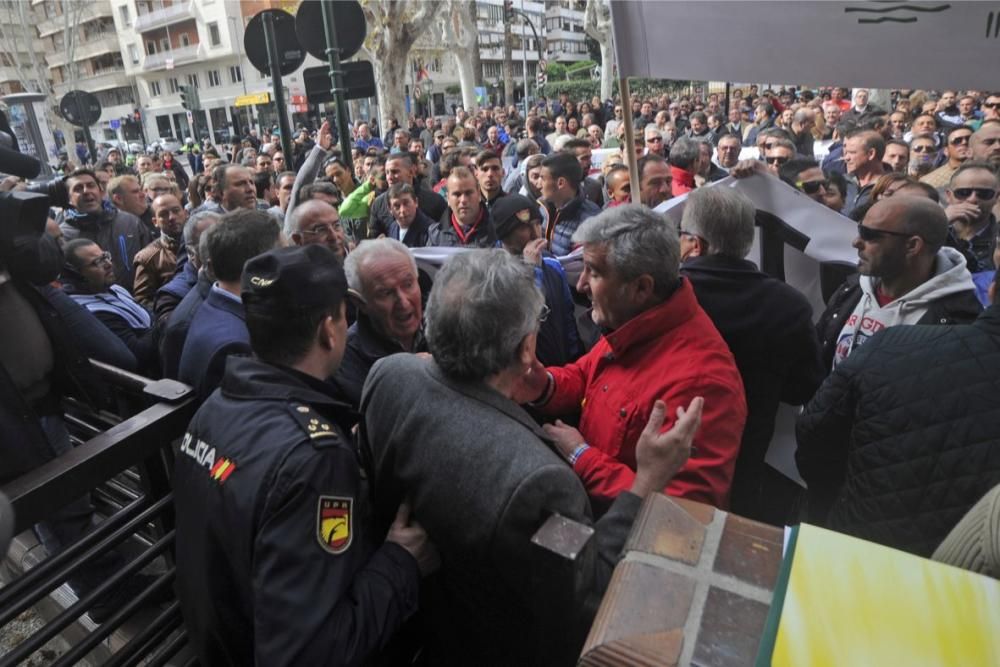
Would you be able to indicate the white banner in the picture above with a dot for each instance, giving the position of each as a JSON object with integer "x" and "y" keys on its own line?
{"x": 934, "y": 45}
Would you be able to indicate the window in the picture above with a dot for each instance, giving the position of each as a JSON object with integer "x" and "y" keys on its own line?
{"x": 154, "y": 88}
{"x": 172, "y": 85}
{"x": 126, "y": 19}
{"x": 185, "y": 40}
{"x": 213, "y": 78}
{"x": 235, "y": 74}
{"x": 192, "y": 80}
{"x": 133, "y": 54}
{"x": 214, "y": 38}
{"x": 164, "y": 44}
{"x": 150, "y": 48}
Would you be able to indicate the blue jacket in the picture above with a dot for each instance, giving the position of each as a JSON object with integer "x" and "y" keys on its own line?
{"x": 177, "y": 325}
{"x": 169, "y": 296}
{"x": 565, "y": 221}
{"x": 558, "y": 340}
{"x": 217, "y": 331}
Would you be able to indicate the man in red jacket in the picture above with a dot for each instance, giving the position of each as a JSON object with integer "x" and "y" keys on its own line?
{"x": 658, "y": 344}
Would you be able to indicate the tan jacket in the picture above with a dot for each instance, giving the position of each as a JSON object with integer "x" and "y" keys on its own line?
{"x": 154, "y": 266}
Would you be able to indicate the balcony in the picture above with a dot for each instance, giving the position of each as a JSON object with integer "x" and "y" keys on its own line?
{"x": 92, "y": 11}
{"x": 179, "y": 11}
{"x": 158, "y": 61}
{"x": 97, "y": 45}
{"x": 109, "y": 78}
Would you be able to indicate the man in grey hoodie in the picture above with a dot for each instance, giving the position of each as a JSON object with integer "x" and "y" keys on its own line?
{"x": 907, "y": 276}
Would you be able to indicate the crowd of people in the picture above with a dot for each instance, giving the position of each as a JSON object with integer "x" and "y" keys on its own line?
{"x": 365, "y": 425}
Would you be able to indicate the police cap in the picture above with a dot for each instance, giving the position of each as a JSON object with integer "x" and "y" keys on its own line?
{"x": 295, "y": 278}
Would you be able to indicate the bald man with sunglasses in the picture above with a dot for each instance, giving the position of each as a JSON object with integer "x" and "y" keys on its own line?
{"x": 906, "y": 275}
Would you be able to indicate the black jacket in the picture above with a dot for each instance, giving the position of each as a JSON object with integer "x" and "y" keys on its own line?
{"x": 442, "y": 232}
{"x": 277, "y": 563}
{"x": 904, "y": 437}
{"x": 429, "y": 202}
{"x": 416, "y": 235}
{"x": 768, "y": 327}
{"x": 960, "y": 308}
{"x": 24, "y": 445}
{"x": 365, "y": 346}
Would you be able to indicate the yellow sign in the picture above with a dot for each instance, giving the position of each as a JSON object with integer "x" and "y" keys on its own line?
{"x": 255, "y": 98}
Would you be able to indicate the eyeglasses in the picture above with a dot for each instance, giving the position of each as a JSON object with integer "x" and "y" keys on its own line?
{"x": 544, "y": 315}
{"x": 323, "y": 231}
{"x": 982, "y": 194}
{"x": 869, "y": 234}
{"x": 812, "y": 187}
{"x": 104, "y": 259}
{"x": 774, "y": 159}
{"x": 923, "y": 149}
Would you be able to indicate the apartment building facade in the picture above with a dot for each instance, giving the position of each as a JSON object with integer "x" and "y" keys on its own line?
{"x": 167, "y": 44}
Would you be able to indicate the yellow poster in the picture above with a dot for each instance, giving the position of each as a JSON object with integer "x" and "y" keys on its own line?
{"x": 851, "y": 602}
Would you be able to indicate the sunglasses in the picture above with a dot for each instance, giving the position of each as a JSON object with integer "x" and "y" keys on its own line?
{"x": 960, "y": 140}
{"x": 869, "y": 234}
{"x": 812, "y": 187}
{"x": 654, "y": 140}
{"x": 923, "y": 149}
{"x": 982, "y": 194}
{"x": 774, "y": 159}
{"x": 992, "y": 105}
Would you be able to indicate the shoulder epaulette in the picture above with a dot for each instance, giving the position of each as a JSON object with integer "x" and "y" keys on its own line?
{"x": 319, "y": 429}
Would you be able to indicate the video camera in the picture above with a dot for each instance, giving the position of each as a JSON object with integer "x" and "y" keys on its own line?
{"x": 24, "y": 250}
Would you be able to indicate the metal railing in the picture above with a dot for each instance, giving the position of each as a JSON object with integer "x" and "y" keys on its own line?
{"x": 123, "y": 457}
{"x": 159, "y": 60}
{"x": 178, "y": 11}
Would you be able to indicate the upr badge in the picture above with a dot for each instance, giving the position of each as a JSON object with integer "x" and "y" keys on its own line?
{"x": 333, "y": 523}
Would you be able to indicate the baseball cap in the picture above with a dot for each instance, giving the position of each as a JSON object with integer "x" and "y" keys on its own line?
{"x": 294, "y": 278}
{"x": 510, "y": 211}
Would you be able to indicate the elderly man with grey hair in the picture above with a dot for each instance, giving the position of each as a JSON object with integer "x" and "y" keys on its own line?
{"x": 316, "y": 221}
{"x": 685, "y": 158}
{"x": 390, "y": 312}
{"x": 447, "y": 432}
{"x": 658, "y": 345}
{"x": 767, "y": 326}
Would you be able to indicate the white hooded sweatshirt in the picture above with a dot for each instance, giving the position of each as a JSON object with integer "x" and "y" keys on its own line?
{"x": 868, "y": 318}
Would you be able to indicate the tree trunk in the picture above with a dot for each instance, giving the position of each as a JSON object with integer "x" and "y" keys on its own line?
{"x": 508, "y": 65}
{"x": 467, "y": 77}
{"x": 477, "y": 62}
{"x": 395, "y": 27}
{"x": 390, "y": 75}
{"x": 607, "y": 69}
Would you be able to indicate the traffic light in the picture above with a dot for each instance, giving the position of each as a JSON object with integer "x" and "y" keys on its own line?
{"x": 189, "y": 98}
{"x": 508, "y": 11}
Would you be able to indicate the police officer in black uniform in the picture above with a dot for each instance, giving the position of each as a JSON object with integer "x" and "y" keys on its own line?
{"x": 277, "y": 563}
